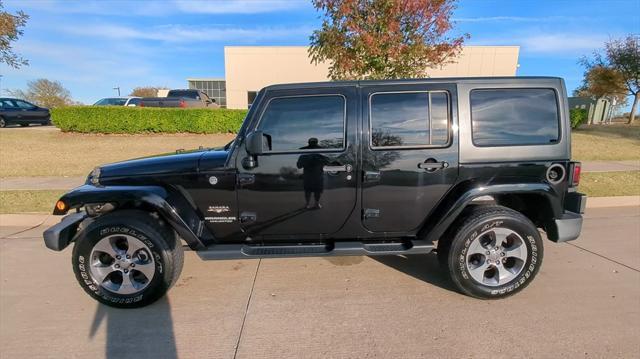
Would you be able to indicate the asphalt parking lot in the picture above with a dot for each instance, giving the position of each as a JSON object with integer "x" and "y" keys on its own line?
{"x": 585, "y": 302}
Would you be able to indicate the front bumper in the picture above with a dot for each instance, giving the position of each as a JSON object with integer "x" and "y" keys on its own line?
{"x": 59, "y": 236}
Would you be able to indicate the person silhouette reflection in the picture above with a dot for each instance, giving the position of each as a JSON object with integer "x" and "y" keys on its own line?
{"x": 312, "y": 165}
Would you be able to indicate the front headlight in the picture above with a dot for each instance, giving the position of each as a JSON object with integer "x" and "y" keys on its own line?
{"x": 94, "y": 177}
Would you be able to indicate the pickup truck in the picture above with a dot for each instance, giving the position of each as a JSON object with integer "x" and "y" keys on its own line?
{"x": 181, "y": 99}
{"x": 474, "y": 169}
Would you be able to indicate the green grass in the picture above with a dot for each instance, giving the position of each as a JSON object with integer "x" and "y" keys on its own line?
{"x": 605, "y": 184}
{"x": 28, "y": 201}
{"x": 606, "y": 142}
{"x": 37, "y": 151}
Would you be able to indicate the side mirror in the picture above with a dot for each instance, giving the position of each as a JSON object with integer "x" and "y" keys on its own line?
{"x": 256, "y": 142}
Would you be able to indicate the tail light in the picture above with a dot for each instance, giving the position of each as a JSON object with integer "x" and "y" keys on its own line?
{"x": 575, "y": 177}
{"x": 183, "y": 104}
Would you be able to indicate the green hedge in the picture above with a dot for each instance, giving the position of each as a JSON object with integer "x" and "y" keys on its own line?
{"x": 112, "y": 119}
{"x": 578, "y": 116}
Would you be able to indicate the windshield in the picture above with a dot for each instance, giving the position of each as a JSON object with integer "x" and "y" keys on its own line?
{"x": 111, "y": 102}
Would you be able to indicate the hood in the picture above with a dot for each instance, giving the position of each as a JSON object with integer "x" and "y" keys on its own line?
{"x": 179, "y": 162}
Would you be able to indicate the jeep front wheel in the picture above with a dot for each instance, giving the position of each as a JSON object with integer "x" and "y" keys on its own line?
{"x": 495, "y": 252}
{"x": 127, "y": 259}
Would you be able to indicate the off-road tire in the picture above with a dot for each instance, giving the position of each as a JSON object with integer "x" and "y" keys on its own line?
{"x": 165, "y": 247}
{"x": 453, "y": 251}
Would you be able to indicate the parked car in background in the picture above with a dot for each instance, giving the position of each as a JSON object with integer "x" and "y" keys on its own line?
{"x": 23, "y": 113}
{"x": 118, "y": 101}
{"x": 182, "y": 99}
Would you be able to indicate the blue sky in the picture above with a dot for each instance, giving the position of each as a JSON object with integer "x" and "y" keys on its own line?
{"x": 92, "y": 46}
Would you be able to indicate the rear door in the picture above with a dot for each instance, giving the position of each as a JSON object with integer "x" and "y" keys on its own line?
{"x": 304, "y": 187}
{"x": 409, "y": 153}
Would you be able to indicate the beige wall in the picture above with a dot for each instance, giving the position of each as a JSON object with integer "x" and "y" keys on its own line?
{"x": 250, "y": 68}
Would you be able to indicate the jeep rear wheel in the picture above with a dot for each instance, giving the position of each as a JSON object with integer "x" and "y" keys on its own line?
{"x": 495, "y": 252}
{"x": 127, "y": 259}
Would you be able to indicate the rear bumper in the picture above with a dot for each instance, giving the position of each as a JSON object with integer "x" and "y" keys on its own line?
{"x": 569, "y": 225}
{"x": 60, "y": 235}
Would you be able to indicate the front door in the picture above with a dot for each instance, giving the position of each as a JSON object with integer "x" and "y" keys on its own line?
{"x": 29, "y": 112}
{"x": 409, "y": 153}
{"x": 303, "y": 188}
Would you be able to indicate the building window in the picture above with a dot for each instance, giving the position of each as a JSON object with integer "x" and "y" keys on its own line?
{"x": 518, "y": 116}
{"x": 409, "y": 119}
{"x": 251, "y": 96}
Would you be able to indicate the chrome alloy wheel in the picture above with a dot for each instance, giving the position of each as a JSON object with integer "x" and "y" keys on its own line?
{"x": 122, "y": 264}
{"x": 496, "y": 256}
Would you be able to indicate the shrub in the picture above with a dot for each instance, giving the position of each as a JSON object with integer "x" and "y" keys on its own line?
{"x": 112, "y": 119}
{"x": 578, "y": 116}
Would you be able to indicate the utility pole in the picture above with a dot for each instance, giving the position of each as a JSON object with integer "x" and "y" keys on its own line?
{"x": 117, "y": 88}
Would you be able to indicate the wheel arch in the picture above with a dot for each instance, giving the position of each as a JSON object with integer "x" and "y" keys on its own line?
{"x": 537, "y": 201}
{"x": 169, "y": 204}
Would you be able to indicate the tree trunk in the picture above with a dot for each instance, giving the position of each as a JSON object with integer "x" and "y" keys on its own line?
{"x": 632, "y": 115}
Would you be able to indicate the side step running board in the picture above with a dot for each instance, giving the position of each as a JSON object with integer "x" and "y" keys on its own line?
{"x": 240, "y": 251}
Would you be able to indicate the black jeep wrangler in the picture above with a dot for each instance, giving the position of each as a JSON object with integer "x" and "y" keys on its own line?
{"x": 473, "y": 169}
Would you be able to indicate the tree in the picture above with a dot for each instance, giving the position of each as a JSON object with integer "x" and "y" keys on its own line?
{"x": 603, "y": 82}
{"x": 622, "y": 55}
{"x": 145, "y": 91}
{"x": 45, "y": 93}
{"x": 10, "y": 30}
{"x": 380, "y": 39}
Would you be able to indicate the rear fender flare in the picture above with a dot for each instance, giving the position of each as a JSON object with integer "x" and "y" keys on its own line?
{"x": 459, "y": 198}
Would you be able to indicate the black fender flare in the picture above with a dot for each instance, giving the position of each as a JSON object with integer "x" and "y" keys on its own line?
{"x": 460, "y": 197}
{"x": 154, "y": 198}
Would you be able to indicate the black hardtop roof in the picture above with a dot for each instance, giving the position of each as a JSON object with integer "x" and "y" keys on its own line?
{"x": 511, "y": 79}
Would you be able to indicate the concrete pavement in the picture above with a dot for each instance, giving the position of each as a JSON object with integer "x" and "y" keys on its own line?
{"x": 611, "y": 166}
{"x": 585, "y": 302}
{"x": 40, "y": 183}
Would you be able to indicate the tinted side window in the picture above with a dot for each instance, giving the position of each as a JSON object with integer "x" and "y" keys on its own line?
{"x": 23, "y": 104}
{"x": 184, "y": 93}
{"x": 302, "y": 123}
{"x": 6, "y": 104}
{"x": 514, "y": 117}
{"x": 118, "y": 102}
{"x": 409, "y": 119}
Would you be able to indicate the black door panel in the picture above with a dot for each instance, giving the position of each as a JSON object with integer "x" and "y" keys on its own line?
{"x": 304, "y": 186}
{"x": 409, "y": 154}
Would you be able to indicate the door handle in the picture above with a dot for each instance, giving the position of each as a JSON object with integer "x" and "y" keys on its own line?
{"x": 432, "y": 165}
{"x": 333, "y": 169}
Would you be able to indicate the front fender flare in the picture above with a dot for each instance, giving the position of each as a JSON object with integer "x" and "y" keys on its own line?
{"x": 146, "y": 197}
